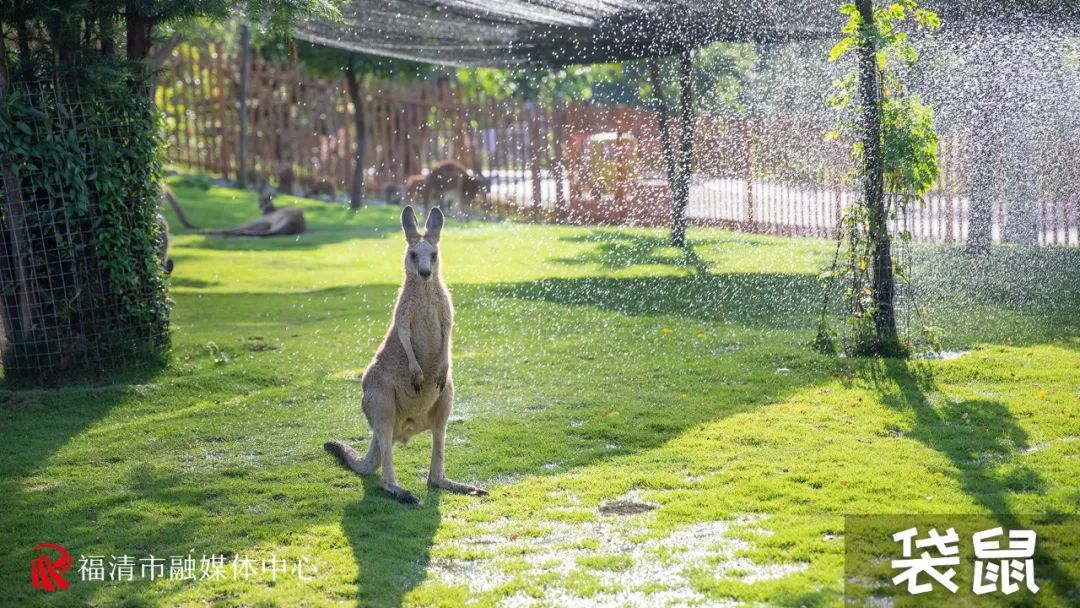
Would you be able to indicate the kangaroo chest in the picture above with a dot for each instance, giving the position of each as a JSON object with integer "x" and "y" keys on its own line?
{"x": 426, "y": 327}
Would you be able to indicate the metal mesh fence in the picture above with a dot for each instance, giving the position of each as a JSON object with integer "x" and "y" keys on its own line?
{"x": 83, "y": 289}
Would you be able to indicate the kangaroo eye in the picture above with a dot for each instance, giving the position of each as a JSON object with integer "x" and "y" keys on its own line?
{"x": 412, "y": 255}
{"x": 434, "y": 255}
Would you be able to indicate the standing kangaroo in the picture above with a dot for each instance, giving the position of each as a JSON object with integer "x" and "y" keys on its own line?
{"x": 407, "y": 386}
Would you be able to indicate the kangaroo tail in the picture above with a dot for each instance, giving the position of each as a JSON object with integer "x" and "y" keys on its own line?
{"x": 177, "y": 209}
{"x": 348, "y": 456}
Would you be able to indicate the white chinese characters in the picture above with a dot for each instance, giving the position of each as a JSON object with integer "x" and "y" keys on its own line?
{"x": 996, "y": 567}
{"x": 935, "y": 557}
{"x": 948, "y": 552}
{"x": 187, "y": 568}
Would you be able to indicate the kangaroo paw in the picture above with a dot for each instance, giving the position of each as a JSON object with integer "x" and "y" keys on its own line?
{"x": 416, "y": 379}
{"x": 402, "y": 495}
{"x": 457, "y": 488}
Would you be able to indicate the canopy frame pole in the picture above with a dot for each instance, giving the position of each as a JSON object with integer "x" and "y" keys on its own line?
{"x": 681, "y": 199}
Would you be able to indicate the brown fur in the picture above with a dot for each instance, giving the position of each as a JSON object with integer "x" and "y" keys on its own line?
{"x": 163, "y": 244}
{"x": 408, "y": 386}
{"x": 275, "y": 221}
{"x": 445, "y": 182}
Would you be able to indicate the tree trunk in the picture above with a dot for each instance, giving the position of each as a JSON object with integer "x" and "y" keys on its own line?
{"x": 139, "y": 28}
{"x": 356, "y": 193}
{"x": 1021, "y": 225}
{"x": 108, "y": 35}
{"x": 681, "y": 201}
{"x": 16, "y": 300}
{"x": 22, "y": 38}
{"x": 245, "y": 75}
{"x": 883, "y": 284}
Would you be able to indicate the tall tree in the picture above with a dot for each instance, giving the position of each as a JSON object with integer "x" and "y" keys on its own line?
{"x": 356, "y": 68}
{"x": 873, "y": 182}
{"x": 896, "y": 149}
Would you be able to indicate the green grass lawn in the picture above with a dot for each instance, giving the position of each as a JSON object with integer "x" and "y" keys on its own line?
{"x": 591, "y": 366}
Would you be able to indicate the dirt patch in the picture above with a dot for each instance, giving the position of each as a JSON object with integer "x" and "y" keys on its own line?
{"x": 625, "y": 507}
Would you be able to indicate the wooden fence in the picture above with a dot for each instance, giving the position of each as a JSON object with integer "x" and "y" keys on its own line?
{"x": 576, "y": 162}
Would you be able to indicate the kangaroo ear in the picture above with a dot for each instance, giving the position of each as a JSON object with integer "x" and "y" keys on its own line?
{"x": 434, "y": 225}
{"x": 408, "y": 224}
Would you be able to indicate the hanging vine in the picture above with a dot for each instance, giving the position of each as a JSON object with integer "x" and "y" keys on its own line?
{"x": 907, "y": 159}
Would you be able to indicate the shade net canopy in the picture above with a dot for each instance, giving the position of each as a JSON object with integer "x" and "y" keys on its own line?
{"x": 563, "y": 32}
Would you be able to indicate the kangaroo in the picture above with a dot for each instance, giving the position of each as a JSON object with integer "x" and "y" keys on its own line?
{"x": 275, "y": 221}
{"x": 450, "y": 182}
{"x": 408, "y": 388}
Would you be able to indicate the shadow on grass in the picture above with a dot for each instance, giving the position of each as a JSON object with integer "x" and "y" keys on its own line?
{"x": 756, "y": 301}
{"x": 312, "y": 239}
{"x": 34, "y": 425}
{"x": 1013, "y": 295}
{"x": 390, "y": 542}
{"x": 971, "y": 434}
{"x": 616, "y": 249}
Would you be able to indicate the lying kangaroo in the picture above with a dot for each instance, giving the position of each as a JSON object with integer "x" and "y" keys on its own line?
{"x": 407, "y": 386}
{"x": 448, "y": 182}
{"x": 275, "y": 221}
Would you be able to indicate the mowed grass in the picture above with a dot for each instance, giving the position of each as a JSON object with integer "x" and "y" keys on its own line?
{"x": 591, "y": 365}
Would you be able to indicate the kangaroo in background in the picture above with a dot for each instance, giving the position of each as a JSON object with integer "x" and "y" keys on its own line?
{"x": 407, "y": 387}
{"x": 448, "y": 182}
{"x": 274, "y": 221}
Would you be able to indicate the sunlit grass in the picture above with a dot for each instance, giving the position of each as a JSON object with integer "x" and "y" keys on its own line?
{"x": 590, "y": 365}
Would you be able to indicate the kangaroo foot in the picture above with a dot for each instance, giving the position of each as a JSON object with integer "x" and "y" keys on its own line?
{"x": 402, "y": 495}
{"x": 457, "y": 488}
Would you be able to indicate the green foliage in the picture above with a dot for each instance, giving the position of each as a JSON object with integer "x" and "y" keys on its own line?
{"x": 909, "y": 142}
{"x": 82, "y": 146}
{"x": 61, "y": 28}
{"x": 330, "y": 63}
{"x": 576, "y": 83}
{"x": 719, "y": 77}
{"x": 909, "y": 148}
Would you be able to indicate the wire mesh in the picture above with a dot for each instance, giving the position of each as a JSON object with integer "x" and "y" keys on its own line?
{"x": 68, "y": 310}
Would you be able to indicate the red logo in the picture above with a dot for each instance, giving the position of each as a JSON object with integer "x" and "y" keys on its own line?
{"x": 45, "y": 573}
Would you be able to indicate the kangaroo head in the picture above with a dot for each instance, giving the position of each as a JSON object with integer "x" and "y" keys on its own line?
{"x": 422, "y": 254}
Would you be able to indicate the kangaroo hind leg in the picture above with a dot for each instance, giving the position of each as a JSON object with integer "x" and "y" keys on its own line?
{"x": 381, "y": 413}
{"x": 437, "y": 474}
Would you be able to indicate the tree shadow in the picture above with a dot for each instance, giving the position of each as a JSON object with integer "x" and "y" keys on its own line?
{"x": 313, "y": 238}
{"x": 972, "y": 434}
{"x": 753, "y": 300}
{"x": 1013, "y": 295}
{"x": 617, "y": 249}
{"x": 34, "y": 426}
{"x": 391, "y": 543}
